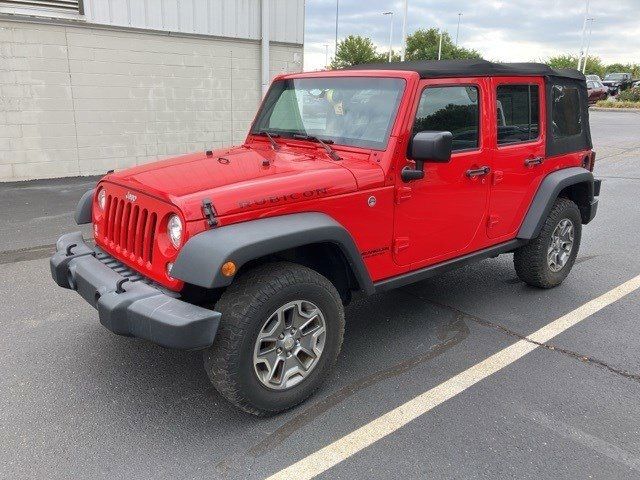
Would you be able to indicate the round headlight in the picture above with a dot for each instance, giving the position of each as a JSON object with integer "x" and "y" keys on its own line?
{"x": 102, "y": 198}
{"x": 174, "y": 230}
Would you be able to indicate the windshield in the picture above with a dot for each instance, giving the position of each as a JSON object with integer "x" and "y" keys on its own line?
{"x": 354, "y": 111}
{"x": 614, "y": 76}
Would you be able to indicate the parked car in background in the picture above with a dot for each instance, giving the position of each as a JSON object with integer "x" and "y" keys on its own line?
{"x": 593, "y": 78}
{"x": 597, "y": 91}
{"x": 617, "y": 82}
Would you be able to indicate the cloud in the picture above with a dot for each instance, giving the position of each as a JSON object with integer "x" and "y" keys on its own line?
{"x": 507, "y": 30}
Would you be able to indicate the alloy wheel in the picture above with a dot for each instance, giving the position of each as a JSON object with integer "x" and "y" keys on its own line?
{"x": 561, "y": 245}
{"x": 289, "y": 345}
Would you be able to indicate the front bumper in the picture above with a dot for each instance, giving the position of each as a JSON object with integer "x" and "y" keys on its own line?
{"x": 128, "y": 306}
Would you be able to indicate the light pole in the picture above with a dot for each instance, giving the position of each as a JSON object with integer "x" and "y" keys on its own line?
{"x": 404, "y": 31}
{"x": 326, "y": 56}
{"x": 337, "y": 13}
{"x": 440, "y": 46}
{"x": 390, "y": 33}
{"x": 458, "y": 29}
{"x": 586, "y": 54}
{"x": 584, "y": 30}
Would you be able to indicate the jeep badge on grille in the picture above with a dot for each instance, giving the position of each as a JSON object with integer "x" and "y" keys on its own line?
{"x": 131, "y": 197}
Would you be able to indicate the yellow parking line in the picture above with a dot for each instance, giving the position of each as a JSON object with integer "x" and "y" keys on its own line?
{"x": 343, "y": 448}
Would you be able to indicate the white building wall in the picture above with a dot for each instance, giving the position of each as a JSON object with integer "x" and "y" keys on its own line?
{"x": 225, "y": 18}
{"x": 77, "y": 100}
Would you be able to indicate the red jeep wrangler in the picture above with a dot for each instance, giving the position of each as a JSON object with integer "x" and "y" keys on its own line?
{"x": 349, "y": 181}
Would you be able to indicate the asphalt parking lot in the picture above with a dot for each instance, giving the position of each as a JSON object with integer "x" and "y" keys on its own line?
{"x": 79, "y": 402}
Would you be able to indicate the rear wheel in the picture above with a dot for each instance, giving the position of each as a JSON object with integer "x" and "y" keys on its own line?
{"x": 547, "y": 260}
{"x": 280, "y": 335}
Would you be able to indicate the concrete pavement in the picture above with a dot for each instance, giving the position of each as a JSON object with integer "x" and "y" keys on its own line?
{"x": 78, "y": 401}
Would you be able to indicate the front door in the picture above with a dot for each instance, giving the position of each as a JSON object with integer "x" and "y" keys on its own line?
{"x": 519, "y": 152}
{"x": 439, "y": 216}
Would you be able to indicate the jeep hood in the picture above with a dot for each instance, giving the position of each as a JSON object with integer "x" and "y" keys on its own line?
{"x": 239, "y": 179}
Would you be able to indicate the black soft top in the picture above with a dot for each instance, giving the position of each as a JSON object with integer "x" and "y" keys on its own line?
{"x": 472, "y": 68}
{"x": 555, "y": 82}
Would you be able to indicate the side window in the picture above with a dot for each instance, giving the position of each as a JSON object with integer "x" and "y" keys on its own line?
{"x": 518, "y": 113}
{"x": 566, "y": 111}
{"x": 452, "y": 109}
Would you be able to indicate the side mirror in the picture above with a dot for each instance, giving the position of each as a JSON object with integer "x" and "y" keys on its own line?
{"x": 427, "y": 147}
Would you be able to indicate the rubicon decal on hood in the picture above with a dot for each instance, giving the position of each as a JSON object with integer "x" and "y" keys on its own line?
{"x": 289, "y": 197}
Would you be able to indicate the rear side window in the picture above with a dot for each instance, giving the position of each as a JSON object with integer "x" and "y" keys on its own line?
{"x": 451, "y": 109}
{"x": 518, "y": 113}
{"x": 565, "y": 113}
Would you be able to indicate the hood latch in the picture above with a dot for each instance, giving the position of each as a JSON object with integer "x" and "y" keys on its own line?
{"x": 209, "y": 212}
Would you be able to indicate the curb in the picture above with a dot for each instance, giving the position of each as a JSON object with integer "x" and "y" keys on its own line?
{"x": 607, "y": 109}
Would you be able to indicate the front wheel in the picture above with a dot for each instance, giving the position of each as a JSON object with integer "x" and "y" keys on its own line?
{"x": 547, "y": 260}
{"x": 280, "y": 334}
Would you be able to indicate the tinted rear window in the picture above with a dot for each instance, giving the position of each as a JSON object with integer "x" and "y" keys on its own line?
{"x": 518, "y": 113}
{"x": 566, "y": 111}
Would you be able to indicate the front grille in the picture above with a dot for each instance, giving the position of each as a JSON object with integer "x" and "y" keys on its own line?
{"x": 130, "y": 230}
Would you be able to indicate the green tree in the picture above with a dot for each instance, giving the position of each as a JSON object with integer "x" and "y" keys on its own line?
{"x": 617, "y": 68}
{"x": 632, "y": 68}
{"x": 563, "y": 61}
{"x": 423, "y": 45}
{"x": 594, "y": 64}
{"x": 384, "y": 56}
{"x": 355, "y": 50}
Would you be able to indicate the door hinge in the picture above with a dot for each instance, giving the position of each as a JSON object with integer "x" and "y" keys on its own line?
{"x": 402, "y": 194}
{"x": 493, "y": 220}
{"x": 209, "y": 213}
{"x": 400, "y": 244}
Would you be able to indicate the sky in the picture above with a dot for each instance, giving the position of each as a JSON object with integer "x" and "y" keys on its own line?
{"x": 516, "y": 30}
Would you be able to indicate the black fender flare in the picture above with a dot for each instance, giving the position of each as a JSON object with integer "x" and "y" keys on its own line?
{"x": 546, "y": 195}
{"x": 83, "y": 213}
{"x": 200, "y": 259}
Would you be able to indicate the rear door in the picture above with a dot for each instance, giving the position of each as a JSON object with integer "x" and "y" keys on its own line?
{"x": 439, "y": 216}
{"x": 519, "y": 151}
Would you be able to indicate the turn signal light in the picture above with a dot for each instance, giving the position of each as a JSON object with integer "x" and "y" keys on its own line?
{"x": 228, "y": 269}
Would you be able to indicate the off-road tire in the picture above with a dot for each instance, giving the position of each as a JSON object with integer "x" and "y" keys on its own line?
{"x": 245, "y": 306}
{"x": 530, "y": 260}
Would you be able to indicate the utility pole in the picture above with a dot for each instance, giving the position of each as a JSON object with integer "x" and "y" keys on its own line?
{"x": 458, "y": 29}
{"x": 390, "y": 33}
{"x": 335, "y": 53}
{"x": 326, "y": 56}
{"x": 586, "y": 55}
{"x": 440, "y": 46}
{"x": 404, "y": 31}
{"x": 584, "y": 30}
{"x": 265, "y": 47}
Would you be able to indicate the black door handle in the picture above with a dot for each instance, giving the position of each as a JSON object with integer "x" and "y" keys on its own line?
{"x": 478, "y": 172}
{"x": 532, "y": 162}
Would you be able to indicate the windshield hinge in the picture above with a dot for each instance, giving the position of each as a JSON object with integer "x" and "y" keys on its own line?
{"x": 209, "y": 212}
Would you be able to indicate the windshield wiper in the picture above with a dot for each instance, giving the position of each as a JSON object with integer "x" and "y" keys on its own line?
{"x": 271, "y": 137}
{"x": 325, "y": 144}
